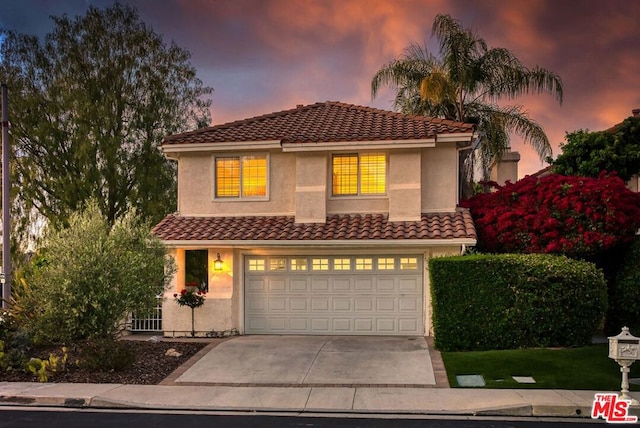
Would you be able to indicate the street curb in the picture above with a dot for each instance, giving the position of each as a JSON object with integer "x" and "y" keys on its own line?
{"x": 97, "y": 402}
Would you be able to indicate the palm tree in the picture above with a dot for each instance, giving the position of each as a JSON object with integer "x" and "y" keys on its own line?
{"x": 465, "y": 83}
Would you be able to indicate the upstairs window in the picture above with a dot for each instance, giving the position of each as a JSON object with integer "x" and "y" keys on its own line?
{"x": 359, "y": 174}
{"x": 241, "y": 176}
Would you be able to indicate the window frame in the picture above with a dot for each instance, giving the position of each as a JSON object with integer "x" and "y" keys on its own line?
{"x": 240, "y": 196}
{"x": 359, "y": 193}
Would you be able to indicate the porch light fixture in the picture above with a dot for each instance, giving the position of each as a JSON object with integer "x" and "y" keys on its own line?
{"x": 217, "y": 263}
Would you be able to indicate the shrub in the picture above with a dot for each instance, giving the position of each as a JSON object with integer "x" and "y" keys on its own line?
{"x": 574, "y": 216}
{"x": 509, "y": 301}
{"x": 16, "y": 342}
{"x": 616, "y": 149}
{"x": 107, "y": 355}
{"x": 624, "y": 293}
{"x": 94, "y": 276}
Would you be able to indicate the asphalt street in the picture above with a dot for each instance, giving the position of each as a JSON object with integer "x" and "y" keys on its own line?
{"x": 63, "y": 418}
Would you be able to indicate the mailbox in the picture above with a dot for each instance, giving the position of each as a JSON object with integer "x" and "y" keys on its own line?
{"x": 624, "y": 346}
{"x": 625, "y": 350}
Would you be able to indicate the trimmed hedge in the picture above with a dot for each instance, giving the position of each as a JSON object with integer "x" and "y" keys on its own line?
{"x": 624, "y": 293}
{"x": 510, "y": 301}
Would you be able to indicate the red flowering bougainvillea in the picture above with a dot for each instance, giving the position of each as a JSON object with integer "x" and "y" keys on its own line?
{"x": 575, "y": 216}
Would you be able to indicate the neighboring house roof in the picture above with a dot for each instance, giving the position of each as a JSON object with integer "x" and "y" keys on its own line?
{"x": 363, "y": 227}
{"x": 324, "y": 122}
{"x": 548, "y": 170}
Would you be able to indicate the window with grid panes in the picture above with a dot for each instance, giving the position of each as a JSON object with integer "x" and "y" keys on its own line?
{"x": 359, "y": 174}
{"x": 241, "y": 176}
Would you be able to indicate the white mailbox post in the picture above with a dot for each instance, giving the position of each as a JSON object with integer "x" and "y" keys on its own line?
{"x": 625, "y": 350}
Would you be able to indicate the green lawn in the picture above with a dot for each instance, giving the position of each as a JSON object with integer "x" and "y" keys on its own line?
{"x": 573, "y": 368}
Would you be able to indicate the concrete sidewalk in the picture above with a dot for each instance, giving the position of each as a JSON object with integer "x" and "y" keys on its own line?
{"x": 427, "y": 401}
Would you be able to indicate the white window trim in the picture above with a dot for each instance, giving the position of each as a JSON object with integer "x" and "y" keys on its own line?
{"x": 239, "y": 198}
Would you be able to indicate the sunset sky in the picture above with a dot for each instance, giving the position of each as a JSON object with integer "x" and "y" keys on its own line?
{"x": 262, "y": 56}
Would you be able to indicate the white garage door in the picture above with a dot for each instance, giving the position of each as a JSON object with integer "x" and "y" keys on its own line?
{"x": 358, "y": 295}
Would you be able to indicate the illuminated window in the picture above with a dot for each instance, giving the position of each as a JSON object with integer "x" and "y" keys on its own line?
{"x": 385, "y": 263}
{"x": 299, "y": 264}
{"x": 277, "y": 264}
{"x": 341, "y": 264}
{"x": 363, "y": 174}
{"x": 256, "y": 265}
{"x": 241, "y": 176}
{"x": 364, "y": 264}
{"x": 408, "y": 263}
{"x": 319, "y": 264}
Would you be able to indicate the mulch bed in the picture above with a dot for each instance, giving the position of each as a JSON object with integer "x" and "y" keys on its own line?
{"x": 151, "y": 365}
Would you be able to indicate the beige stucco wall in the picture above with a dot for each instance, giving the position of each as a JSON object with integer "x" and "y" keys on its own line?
{"x": 440, "y": 178}
{"x": 311, "y": 187}
{"x": 195, "y": 188}
{"x": 419, "y": 180}
{"x": 217, "y": 313}
{"x": 403, "y": 187}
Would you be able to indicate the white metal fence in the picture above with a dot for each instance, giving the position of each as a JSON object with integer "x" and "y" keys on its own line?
{"x": 150, "y": 322}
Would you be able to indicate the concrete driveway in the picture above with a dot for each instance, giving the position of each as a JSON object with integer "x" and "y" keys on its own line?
{"x": 315, "y": 361}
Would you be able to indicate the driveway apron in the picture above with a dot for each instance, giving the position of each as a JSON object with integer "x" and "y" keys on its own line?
{"x": 315, "y": 361}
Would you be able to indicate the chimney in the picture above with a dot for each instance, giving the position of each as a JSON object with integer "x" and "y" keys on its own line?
{"x": 636, "y": 112}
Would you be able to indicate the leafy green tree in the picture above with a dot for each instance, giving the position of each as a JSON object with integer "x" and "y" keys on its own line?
{"x": 465, "y": 83}
{"x": 94, "y": 275}
{"x": 89, "y": 107}
{"x": 588, "y": 153}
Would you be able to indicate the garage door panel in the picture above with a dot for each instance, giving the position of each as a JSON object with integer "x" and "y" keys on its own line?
{"x": 364, "y": 284}
{"x": 342, "y": 325}
{"x": 387, "y": 304}
{"x": 277, "y": 285}
{"x": 386, "y": 285}
{"x": 299, "y": 285}
{"x": 320, "y": 325}
{"x": 256, "y": 285}
{"x": 319, "y": 285}
{"x": 408, "y": 305}
{"x": 364, "y": 325}
{"x": 299, "y": 325}
{"x": 319, "y": 304}
{"x": 409, "y": 285}
{"x": 277, "y": 304}
{"x": 299, "y": 304}
{"x": 342, "y": 285}
{"x": 340, "y": 295}
{"x": 342, "y": 304}
{"x": 386, "y": 325}
{"x": 408, "y": 325}
{"x": 277, "y": 324}
{"x": 257, "y": 324}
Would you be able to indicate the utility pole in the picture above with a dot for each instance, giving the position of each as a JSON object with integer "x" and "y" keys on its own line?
{"x": 6, "y": 220}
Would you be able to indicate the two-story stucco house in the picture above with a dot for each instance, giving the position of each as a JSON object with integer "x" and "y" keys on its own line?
{"x": 322, "y": 216}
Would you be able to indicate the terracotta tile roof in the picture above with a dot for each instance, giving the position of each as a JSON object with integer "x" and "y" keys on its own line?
{"x": 360, "y": 227}
{"x": 324, "y": 122}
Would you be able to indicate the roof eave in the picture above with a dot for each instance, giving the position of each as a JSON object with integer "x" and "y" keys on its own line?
{"x": 350, "y": 145}
{"x": 460, "y": 137}
{"x": 440, "y": 242}
{"x": 219, "y": 146}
